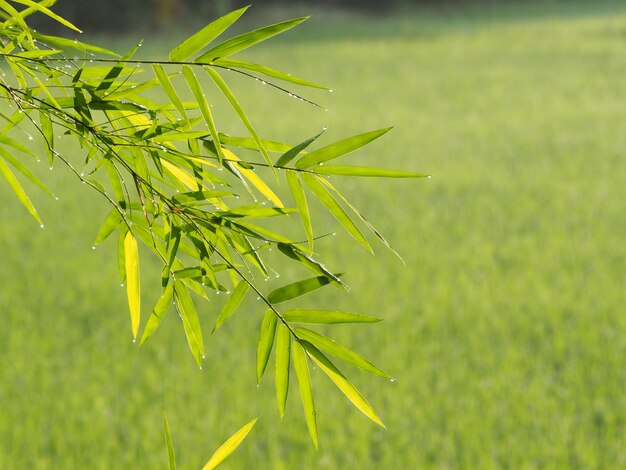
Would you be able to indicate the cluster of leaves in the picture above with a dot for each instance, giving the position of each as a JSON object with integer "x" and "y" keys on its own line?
{"x": 189, "y": 192}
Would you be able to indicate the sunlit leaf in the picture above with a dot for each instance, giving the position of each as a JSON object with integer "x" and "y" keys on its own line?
{"x": 112, "y": 221}
{"x": 233, "y": 302}
{"x": 18, "y": 190}
{"x": 266, "y": 341}
{"x": 169, "y": 90}
{"x": 341, "y": 352}
{"x": 364, "y": 171}
{"x": 238, "y": 64}
{"x": 42, "y": 9}
{"x": 191, "y": 323}
{"x": 283, "y": 354}
{"x": 342, "y": 383}
{"x": 300, "y": 198}
{"x": 229, "y": 446}
{"x": 168, "y": 443}
{"x": 131, "y": 257}
{"x": 306, "y": 390}
{"x": 157, "y": 313}
{"x": 19, "y": 166}
{"x": 327, "y": 317}
{"x": 293, "y": 152}
{"x": 297, "y": 289}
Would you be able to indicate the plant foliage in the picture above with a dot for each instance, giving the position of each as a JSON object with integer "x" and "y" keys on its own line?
{"x": 179, "y": 184}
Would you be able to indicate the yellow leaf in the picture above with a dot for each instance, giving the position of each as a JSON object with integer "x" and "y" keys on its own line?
{"x": 253, "y": 178}
{"x": 132, "y": 281}
{"x": 191, "y": 182}
{"x": 229, "y": 446}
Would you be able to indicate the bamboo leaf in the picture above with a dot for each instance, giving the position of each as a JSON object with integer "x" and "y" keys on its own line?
{"x": 339, "y": 148}
{"x": 335, "y": 209}
{"x": 339, "y": 170}
{"x": 249, "y": 143}
{"x": 266, "y": 341}
{"x": 131, "y": 257}
{"x": 205, "y": 36}
{"x": 42, "y": 9}
{"x": 341, "y": 352}
{"x": 168, "y": 443}
{"x": 19, "y": 166}
{"x": 169, "y": 90}
{"x": 196, "y": 89}
{"x": 18, "y": 190}
{"x": 296, "y": 254}
{"x": 283, "y": 354}
{"x": 297, "y": 289}
{"x": 233, "y": 302}
{"x": 306, "y": 390}
{"x": 157, "y": 313}
{"x": 254, "y": 179}
{"x": 111, "y": 222}
{"x": 238, "y": 64}
{"x": 256, "y": 212}
{"x": 300, "y": 199}
{"x": 342, "y": 383}
{"x": 243, "y": 41}
{"x": 48, "y": 134}
{"x": 191, "y": 323}
{"x": 327, "y": 317}
{"x": 229, "y": 446}
{"x": 293, "y": 152}
{"x": 221, "y": 84}
{"x": 121, "y": 256}
{"x": 65, "y": 44}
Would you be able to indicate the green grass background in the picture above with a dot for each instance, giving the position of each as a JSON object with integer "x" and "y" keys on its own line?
{"x": 506, "y": 329}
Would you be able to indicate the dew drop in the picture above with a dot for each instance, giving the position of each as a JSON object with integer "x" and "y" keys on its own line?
{"x": 41, "y": 226}
{"x": 266, "y": 278}
{"x": 122, "y": 284}
{"x": 258, "y": 297}
{"x": 30, "y": 137}
{"x": 331, "y": 91}
{"x": 200, "y": 367}
{"x": 56, "y": 198}
{"x": 325, "y": 128}
{"x": 93, "y": 247}
{"x": 277, "y": 275}
{"x": 203, "y": 356}
{"x": 429, "y": 177}
{"x": 134, "y": 340}
{"x": 392, "y": 379}
{"x": 258, "y": 386}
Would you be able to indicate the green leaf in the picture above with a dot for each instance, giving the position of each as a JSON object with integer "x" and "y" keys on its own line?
{"x": 229, "y": 446}
{"x": 42, "y": 9}
{"x": 18, "y": 190}
{"x": 196, "y": 89}
{"x": 191, "y": 323}
{"x": 335, "y": 209}
{"x": 168, "y": 443}
{"x": 65, "y": 44}
{"x": 48, "y": 134}
{"x": 339, "y": 148}
{"x": 327, "y": 317}
{"x": 238, "y": 64}
{"x": 121, "y": 257}
{"x": 298, "y": 255}
{"x": 233, "y": 302}
{"x": 266, "y": 341}
{"x": 339, "y": 351}
{"x": 198, "y": 197}
{"x": 249, "y": 143}
{"x": 339, "y": 170}
{"x": 297, "y": 289}
{"x": 256, "y": 212}
{"x": 157, "y": 313}
{"x": 19, "y": 166}
{"x": 300, "y": 199}
{"x": 306, "y": 390}
{"x": 293, "y": 152}
{"x": 203, "y": 38}
{"x": 219, "y": 81}
{"x": 169, "y": 90}
{"x": 131, "y": 257}
{"x": 283, "y": 353}
{"x": 115, "y": 71}
{"x": 243, "y": 41}
{"x": 112, "y": 221}
{"x": 342, "y": 383}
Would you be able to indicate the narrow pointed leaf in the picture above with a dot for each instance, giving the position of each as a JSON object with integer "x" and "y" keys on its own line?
{"x": 238, "y": 64}
{"x": 48, "y": 134}
{"x": 342, "y": 383}
{"x": 121, "y": 256}
{"x": 300, "y": 199}
{"x": 341, "y": 352}
{"x": 339, "y": 148}
{"x": 293, "y": 152}
{"x": 18, "y": 190}
{"x": 191, "y": 323}
{"x": 306, "y": 390}
{"x": 112, "y": 221}
{"x": 229, "y": 446}
{"x": 297, "y": 289}
{"x": 327, "y": 317}
{"x": 340, "y": 170}
{"x": 169, "y": 90}
{"x": 203, "y": 38}
{"x": 318, "y": 268}
{"x": 266, "y": 341}
{"x": 233, "y": 302}
{"x": 132, "y": 281}
{"x": 254, "y": 179}
{"x": 243, "y": 41}
{"x": 283, "y": 354}
{"x": 335, "y": 209}
{"x": 168, "y": 443}
{"x": 42, "y": 9}
{"x": 19, "y": 166}
{"x": 157, "y": 313}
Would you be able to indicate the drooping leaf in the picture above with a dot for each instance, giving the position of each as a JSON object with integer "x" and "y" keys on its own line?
{"x": 191, "y": 323}
{"x": 168, "y": 442}
{"x": 341, "y": 352}
{"x": 243, "y": 41}
{"x": 254, "y": 179}
{"x": 42, "y": 9}
{"x": 283, "y": 354}
{"x": 335, "y": 209}
{"x": 297, "y": 289}
{"x": 238, "y": 64}
{"x": 18, "y": 190}
{"x": 293, "y": 152}
{"x": 342, "y": 383}
{"x": 339, "y": 148}
{"x": 298, "y": 255}
{"x": 233, "y": 302}
{"x": 112, "y": 221}
{"x": 131, "y": 257}
{"x": 339, "y": 170}
{"x": 157, "y": 313}
{"x": 203, "y": 38}
{"x": 23, "y": 169}
{"x": 306, "y": 390}
{"x": 169, "y": 90}
{"x": 327, "y": 317}
{"x": 266, "y": 341}
{"x": 229, "y": 446}
{"x": 300, "y": 198}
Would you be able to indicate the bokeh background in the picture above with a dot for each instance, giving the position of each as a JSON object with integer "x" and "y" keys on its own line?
{"x": 506, "y": 328}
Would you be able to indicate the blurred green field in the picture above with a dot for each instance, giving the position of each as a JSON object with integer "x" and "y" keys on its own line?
{"x": 506, "y": 329}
